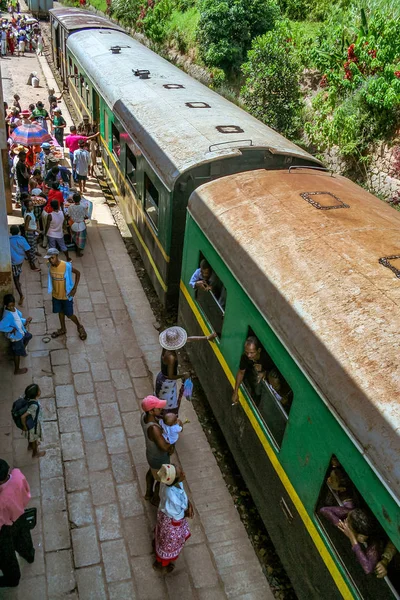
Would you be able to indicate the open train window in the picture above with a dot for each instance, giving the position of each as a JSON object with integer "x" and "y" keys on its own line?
{"x": 131, "y": 168}
{"x": 70, "y": 67}
{"x": 266, "y": 386}
{"x": 116, "y": 144}
{"x": 210, "y": 294}
{"x": 151, "y": 200}
{"x": 363, "y": 544}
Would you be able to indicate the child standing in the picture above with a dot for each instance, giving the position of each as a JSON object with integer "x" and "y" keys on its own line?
{"x": 14, "y": 326}
{"x": 35, "y": 434}
{"x": 171, "y": 426}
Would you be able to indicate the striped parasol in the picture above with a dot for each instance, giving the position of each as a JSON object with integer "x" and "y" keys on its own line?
{"x": 31, "y": 134}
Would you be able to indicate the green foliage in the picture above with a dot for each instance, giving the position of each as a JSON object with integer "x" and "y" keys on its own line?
{"x": 227, "y": 27}
{"x": 361, "y": 84}
{"x": 312, "y": 10}
{"x": 126, "y": 11}
{"x": 154, "y": 23}
{"x": 271, "y": 91}
{"x": 181, "y": 29}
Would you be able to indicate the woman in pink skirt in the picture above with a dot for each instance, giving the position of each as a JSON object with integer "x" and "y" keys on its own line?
{"x": 172, "y": 529}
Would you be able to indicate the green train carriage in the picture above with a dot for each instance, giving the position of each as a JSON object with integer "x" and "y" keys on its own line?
{"x": 298, "y": 256}
{"x": 162, "y": 135}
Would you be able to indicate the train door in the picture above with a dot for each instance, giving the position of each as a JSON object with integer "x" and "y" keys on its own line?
{"x": 96, "y": 106}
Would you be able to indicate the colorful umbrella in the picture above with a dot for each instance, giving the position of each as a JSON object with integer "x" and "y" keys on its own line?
{"x": 30, "y": 135}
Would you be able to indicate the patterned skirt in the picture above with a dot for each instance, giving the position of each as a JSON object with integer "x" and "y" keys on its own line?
{"x": 170, "y": 537}
{"x": 31, "y": 238}
{"x": 79, "y": 238}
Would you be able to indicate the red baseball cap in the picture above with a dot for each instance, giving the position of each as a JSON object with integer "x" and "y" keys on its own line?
{"x": 151, "y": 402}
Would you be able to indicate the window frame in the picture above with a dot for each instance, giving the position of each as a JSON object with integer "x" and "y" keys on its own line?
{"x": 115, "y": 134}
{"x": 146, "y": 193}
{"x": 132, "y": 184}
{"x": 199, "y": 294}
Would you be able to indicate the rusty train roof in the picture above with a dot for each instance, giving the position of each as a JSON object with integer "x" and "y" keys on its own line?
{"x": 74, "y": 18}
{"x": 157, "y": 112}
{"x": 315, "y": 274}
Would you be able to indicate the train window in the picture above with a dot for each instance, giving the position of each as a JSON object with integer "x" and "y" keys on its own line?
{"x": 356, "y": 536}
{"x": 266, "y": 386}
{"x": 131, "y": 168}
{"x": 106, "y": 128}
{"x": 151, "y": 200}
{"x": 210, "y": 294}
{"x": 116, "y": 145}
{"x": 70, "y": 68}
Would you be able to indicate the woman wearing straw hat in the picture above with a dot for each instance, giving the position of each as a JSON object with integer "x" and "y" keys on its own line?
{"x": 172, "y": 529}
{"x": 171, "y": 340}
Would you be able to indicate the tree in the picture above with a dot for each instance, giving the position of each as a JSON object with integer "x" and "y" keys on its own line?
{"x": 226, "y": 28}
{"x": 272, "y": 91}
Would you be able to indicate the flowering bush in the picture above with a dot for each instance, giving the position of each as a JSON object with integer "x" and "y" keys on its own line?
{"x": 361, "y": 85}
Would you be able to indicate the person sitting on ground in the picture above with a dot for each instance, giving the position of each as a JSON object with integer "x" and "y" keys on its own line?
{"x": 172, "y": 529}
{"x": 36, "y": 181}
{"x": 13, "y": 325}
{"x": 54, "y": 229}
{"x": 202, "y": 277}
{"x": 19, "y": 250}
{"x": 40, "y": 115}
{"x": 54, "y": 194}
{"x": 57, "y": 173}
{"x": 359, "y": 527}
{"x": 172, "y": 427}
{"x": 254, "y": 365}
{"x": 34, "y": 435}
{"x": 63, "y": 289}
{"x": 15, "y": 533}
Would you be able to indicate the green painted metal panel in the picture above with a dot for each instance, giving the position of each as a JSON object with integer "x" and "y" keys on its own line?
{"x": 313, "y": 434}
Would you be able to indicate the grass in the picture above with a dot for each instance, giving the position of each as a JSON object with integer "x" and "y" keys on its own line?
{"x": 181, "y": 28}
{"x": 98, "y": 4}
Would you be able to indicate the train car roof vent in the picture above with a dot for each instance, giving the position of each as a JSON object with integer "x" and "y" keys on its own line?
{"x": 197, "y": 105}
{"x": 173, "y": 86}
{"x": 141, "y": 73}
{"x": 325, "y": 201}
{"x": 117, "y": 49}
{"x": 392, "y": 263}
{"x": 229, "y": 129}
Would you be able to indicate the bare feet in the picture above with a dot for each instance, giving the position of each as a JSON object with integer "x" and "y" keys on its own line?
{"x": 163, "y": 570}
{"x": 39, "y": 454}
{"x": 21, "y": 300}
{"x": 20, "y": 371}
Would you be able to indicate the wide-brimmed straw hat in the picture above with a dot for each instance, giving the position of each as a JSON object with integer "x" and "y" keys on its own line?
{"x": 19, "y": 149}
{"x": 167, "y": 474}
{"x": 173, "y": 338}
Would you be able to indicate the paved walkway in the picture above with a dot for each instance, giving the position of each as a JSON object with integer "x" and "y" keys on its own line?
{"x": 94, "y": 531}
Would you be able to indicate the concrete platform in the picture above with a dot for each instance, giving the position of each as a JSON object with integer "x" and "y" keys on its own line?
{"x": 94, "y": 532}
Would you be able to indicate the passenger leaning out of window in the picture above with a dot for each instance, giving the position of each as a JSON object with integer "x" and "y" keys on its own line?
{"x": 254, "y": 365}
{"x": 203, "y": 278}
{"x": 359, "y": 528}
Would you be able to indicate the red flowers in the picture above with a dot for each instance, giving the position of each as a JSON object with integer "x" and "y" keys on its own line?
{"x": 372, "y": 53}
{"x": 397, "y": 74}
{"x": 350, "y": 53}
{"x": 324, "y": 81}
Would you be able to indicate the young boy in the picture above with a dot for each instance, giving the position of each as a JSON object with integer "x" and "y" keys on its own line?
{"x": 171, "y": 426}
{"x": 19, "y": 249}
{"x": 14, "y": 326}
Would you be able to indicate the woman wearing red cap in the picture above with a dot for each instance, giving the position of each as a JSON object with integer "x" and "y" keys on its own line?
{"x": 172, "y": 529}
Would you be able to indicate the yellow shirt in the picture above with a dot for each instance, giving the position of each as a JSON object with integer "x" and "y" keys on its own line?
{"x": 57, "y": 274}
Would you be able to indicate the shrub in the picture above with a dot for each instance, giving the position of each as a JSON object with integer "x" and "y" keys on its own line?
{"x": 226, "y": 28}
{"x": 271, "y": 91}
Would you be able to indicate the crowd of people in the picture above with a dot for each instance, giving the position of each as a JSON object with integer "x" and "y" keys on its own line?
{"x": 20, "y": 34}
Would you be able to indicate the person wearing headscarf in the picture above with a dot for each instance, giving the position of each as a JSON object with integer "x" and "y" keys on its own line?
{"x": 172, "y": 529}
{"x": 171, "y": 340}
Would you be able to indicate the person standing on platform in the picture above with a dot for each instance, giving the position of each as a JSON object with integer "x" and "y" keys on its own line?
{"x": 54, "y": 228}
{"x": 172, "y": 529}
{"x": 19, "y": 250}
{"x": 72, "y": 143}
{"x": 15, "y": 534}
{"x": 63, "y": 289}
{"x": 59, "y": 125}
{"x": 81, "y": 165}
{"x": 158, "y": 450}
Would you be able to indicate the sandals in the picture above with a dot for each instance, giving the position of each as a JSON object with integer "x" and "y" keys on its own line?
{"x": 82, "y": 332}
{"x": 58, "y": 333}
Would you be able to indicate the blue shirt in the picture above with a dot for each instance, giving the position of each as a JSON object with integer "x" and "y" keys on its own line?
{"x": 18, "y": 247}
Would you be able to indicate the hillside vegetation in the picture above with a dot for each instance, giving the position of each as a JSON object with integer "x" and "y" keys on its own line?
{"x": 322, "y": 72}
